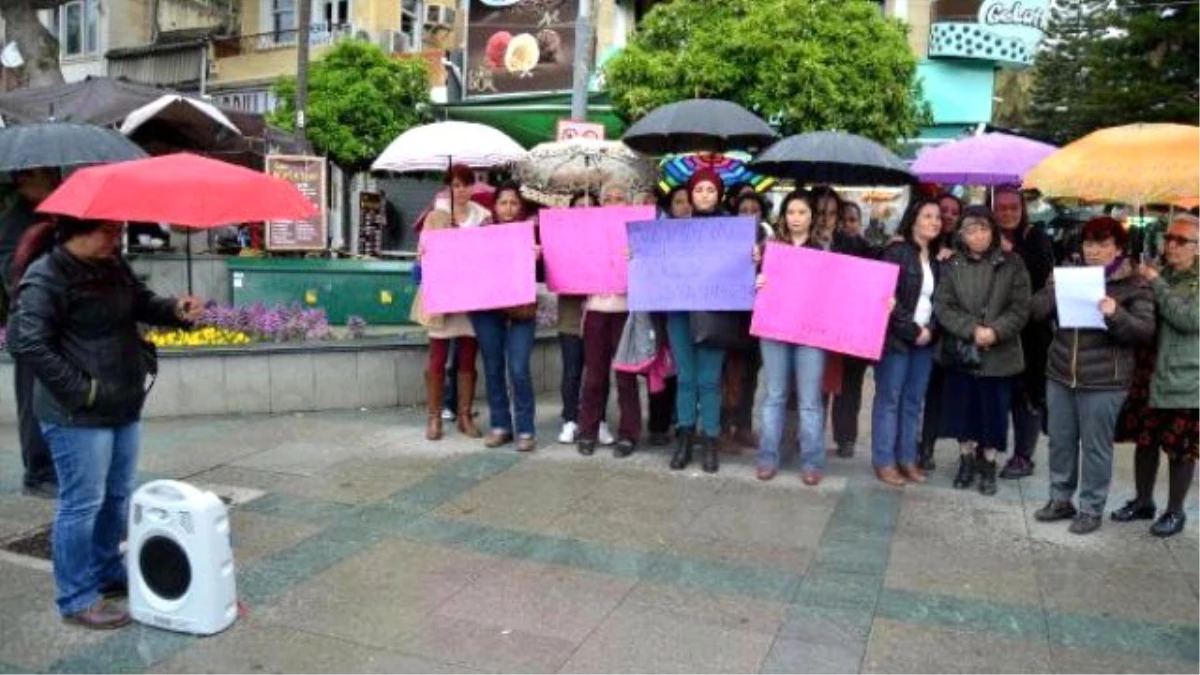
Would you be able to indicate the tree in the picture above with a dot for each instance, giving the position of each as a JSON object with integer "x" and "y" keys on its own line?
{"x": 800, "y": 64}
{"x": 359, "y": 99}
{"x": 38, "y": 46}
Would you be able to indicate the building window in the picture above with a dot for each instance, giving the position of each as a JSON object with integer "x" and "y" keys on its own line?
{"x": 78, "y": 24}
{"x": 335, "y": 13}
{"x": 408, "y": 20}
{"x": 283, "y": 18}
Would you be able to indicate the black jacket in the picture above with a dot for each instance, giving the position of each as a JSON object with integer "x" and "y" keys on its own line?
{"x": 75, "y": 324}
{"x": 1037, "y": 252}
{"x": 963, "y": 303}
{"x": 902, "y": 329}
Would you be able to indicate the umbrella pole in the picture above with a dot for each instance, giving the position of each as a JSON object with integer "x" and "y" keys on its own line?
{"x": 188, "y": 250}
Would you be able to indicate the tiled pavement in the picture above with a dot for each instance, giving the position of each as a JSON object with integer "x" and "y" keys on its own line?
{"x": 373, "y": 550}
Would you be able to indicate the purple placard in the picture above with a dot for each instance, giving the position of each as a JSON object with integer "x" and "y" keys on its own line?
{"x": 692, "y": 264}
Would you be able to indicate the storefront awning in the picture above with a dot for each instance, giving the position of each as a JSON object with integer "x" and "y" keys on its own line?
{"x": 530, "y": 120}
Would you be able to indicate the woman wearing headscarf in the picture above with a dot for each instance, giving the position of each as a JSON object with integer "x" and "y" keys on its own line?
{"x": 982, "y": 302}
{"x": 505, "y": 339}
{"x": 698, "y": 365}
{"x": 1088, "y": 376}
{"x": 75, "y": 323}
{"x": 1167, "y": 421}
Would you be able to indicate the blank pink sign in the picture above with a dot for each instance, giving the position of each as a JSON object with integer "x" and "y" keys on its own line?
{"x": 827, "y": 300}
{"x": 475, "y": 268}
{"x": 586, "y": 250}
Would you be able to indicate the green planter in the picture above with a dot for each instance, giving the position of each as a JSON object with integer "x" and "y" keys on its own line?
{"x": 381, "y": 292}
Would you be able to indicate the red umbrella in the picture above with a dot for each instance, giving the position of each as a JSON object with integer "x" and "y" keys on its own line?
{"x": 180, "y": 189}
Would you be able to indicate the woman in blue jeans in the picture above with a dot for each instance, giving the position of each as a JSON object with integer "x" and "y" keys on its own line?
{"x": 506, "y": 341}
{"x": 698, "y": 366}
{"x": 902, "y": 374}
{"x": 782, "y": 362}
{"x": 76, "y": 325}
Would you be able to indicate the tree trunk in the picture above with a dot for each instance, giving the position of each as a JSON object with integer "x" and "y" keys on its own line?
{"x": 38, "y": 46}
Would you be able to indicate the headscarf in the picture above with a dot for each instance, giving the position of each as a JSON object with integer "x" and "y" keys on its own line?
{"x": 707, "y": 175}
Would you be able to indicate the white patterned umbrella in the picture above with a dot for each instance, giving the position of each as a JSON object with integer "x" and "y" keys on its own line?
{"x": 552, "y": 172}
{"x": 434, "y": 147}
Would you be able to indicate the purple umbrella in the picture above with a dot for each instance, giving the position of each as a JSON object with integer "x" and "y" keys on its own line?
{"x": 989, "y": 159}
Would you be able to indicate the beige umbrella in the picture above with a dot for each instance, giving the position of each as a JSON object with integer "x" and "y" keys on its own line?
{"x": 551, "y": 173}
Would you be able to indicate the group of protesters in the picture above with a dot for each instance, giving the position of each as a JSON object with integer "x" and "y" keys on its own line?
{"x": 972, "y": 343}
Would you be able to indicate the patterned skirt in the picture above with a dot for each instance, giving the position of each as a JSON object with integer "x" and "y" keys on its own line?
{"x": 1176, "y": 431}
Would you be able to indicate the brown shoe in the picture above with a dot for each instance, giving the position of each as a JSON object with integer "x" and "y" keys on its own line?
{"x": 526, "y": 444}
{"x": 889, "y": 475}
{"x": 765, "y": 473}
{"x": 496, "y": 439}
{"x": 912, "y": 473}
{"x": 100, "y": 616}
{"x": 466, "y": 405}
{"x": 434, "y": 387}
{"x": 811, "y": 478}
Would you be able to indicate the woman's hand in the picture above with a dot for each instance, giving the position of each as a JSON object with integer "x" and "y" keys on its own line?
{"x": 984, "y": 337}
{"x": 756, "y": 254}
{"x": 189, "y": 308}
{"x": 1148, "y": 272}
{"x": 924, "y": 337}
{"x": 944, "y": 254}
{"x": 1108, "y": 306}
{"x": 760, "y": 281}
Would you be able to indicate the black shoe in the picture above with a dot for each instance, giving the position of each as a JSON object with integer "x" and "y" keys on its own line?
{"x": 1168, "y": 524}
{"x": 925, "y": 458}
{"x": 586, "y": 448}
{"x": 114, "y": 590}
{"x": 987, "y": 478}
{"x": 1054, "y": 511}
{"x": 1017, "y": 467}
{"x": 1084, "y": 523}
{"x": 683, "y": 450}
{"x": 660, "y": 439}
{"x": 624, "y": 448}
{"x": 1134, "y": 511}
{"x": 709, "y": 454}
{"x": 845, "y": 450}
{"x": 41, "y": 490}
{"x": 966, "y": 472}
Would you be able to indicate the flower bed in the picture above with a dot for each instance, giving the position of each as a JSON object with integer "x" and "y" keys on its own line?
{"x": 224, "y": 326}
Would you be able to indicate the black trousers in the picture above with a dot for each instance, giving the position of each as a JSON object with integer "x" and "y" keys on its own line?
{"x": 848, "y": 404}
{"x": 35, "y": 453}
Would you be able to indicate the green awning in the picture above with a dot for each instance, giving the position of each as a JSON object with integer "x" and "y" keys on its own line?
{"x": 533, "y": 119}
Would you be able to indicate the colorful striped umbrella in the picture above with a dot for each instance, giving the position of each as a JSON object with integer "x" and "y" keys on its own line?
{"x": 730, "y": 166}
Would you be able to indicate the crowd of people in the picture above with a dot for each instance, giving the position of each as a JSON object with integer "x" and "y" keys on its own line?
{"x": 972, "y": 347}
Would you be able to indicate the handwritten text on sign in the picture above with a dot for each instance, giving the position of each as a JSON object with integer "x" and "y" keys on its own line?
{"x": 585, "y": 250}
{"x": 468, "y": 269}
{"x": 691, "y": 264}
{"x": 827, "y": 300}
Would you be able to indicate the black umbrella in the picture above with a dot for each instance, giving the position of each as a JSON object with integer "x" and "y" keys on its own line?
{"x": 62, "y": 144}
{"x": 834, "y": 158}
{"x": 698, "y": 124}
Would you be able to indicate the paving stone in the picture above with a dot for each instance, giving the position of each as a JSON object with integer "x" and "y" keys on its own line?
{"x": 256, "y": 535}
{"x": 34, "y": 635}
{"x": 485, "y": 647}
{"x": 798, "y": 656}
{"x": 713, "y": 609}
{"x": 1085, "y": 587}
{"x": 1105, "y": 661}
{"x": 825, "y": 626}
{"x": 904, "y": 648}
{"x": 1003, "y": 572}
{"x": 301, "y": 458}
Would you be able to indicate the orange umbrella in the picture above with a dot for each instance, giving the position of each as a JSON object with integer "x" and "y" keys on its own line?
{"x": 1135, "y": 164}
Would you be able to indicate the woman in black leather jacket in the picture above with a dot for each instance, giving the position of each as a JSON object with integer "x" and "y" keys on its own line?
{"x": 75, "y": 323}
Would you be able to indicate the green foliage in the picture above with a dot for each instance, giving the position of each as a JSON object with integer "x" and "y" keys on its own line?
{"x": 802, "y": 65}
{"x": 1106, "y": 64}
{"x": 359, "y": 99}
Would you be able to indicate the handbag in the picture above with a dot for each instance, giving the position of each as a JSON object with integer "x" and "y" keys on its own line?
{"x": 723, "y": 330}
{"x": 964, "y": 355}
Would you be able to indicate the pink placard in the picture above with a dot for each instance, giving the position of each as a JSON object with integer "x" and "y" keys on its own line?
{"x": 827, "y": 300}
{"x": 586, "y": 250}
{"x": 475, "y": 268}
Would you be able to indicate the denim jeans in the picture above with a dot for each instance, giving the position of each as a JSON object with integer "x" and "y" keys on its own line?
{"x": 698, "y": 369}
{"x": 1083, "y": 424}
{"x": 782, "y": 362}
{"x": 901, "y": 379}
{"x": 96, "y": 470}
{"x": 507, "y": 347}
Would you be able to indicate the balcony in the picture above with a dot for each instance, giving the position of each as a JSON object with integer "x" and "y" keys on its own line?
{"x": 1003, "y": 32}
{"x": 265, "y": 56}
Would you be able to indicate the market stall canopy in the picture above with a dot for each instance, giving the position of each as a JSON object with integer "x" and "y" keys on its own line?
{"x": 62, "y": 144}
{"x": 434, "y": 147}
{"x": 1136, "y": 164}
{"x": 179, "y": 111}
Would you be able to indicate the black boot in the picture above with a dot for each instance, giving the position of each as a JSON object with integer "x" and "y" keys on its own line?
{"x": 966, "y": 472}
{"x": 987, "y": 477}
{"x": 683, "y": 449}
{"x": 709, "y": 449}
{"x": 925, "y": 457}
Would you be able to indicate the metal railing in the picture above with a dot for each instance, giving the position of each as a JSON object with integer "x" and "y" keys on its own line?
{"x": 320, "y": 34}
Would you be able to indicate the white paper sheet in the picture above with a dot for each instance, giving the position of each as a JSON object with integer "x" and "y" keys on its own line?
{"x": 1078, "y": 292}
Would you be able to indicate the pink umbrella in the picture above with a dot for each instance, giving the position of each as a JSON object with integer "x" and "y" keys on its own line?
{"x": 988, "y": 159}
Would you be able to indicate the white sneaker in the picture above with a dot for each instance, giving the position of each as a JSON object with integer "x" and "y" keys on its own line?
{"x": 568, "y": 433}
{"x": 604, "y": 436}
{"x": 448, "y": 414}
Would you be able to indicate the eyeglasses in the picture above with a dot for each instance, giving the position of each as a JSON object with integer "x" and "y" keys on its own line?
{"x": 1176, "y": 239}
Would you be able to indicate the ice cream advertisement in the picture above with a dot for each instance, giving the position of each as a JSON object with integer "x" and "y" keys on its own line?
{"x": 520, "y": 46}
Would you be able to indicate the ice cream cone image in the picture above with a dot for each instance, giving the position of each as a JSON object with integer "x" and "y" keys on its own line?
{"x": 522, "y": 55}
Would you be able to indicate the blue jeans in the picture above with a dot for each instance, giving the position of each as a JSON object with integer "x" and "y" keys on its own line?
{"x": 900, "y": 382}
{"x": 96, "y": 469}
{"x": 782, "y": 362}
{"x": 507, "y": 347}
{"x": 699, "y": 377}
